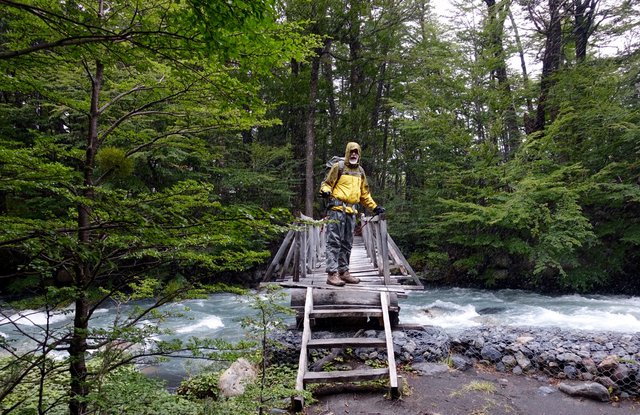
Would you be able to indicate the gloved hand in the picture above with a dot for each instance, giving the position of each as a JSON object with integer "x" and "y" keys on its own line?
{"x": 325, "y": 194}
{"x": 379, "y": 210}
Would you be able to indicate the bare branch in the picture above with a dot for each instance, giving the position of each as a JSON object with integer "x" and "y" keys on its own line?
{"x": 73, "y": 41}
{"x": 120, "y": 96}
{"x": 139, "y": 111}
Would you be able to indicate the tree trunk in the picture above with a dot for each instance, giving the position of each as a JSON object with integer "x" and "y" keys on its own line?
{"x": 295, "y": 129}
{"x": 375, "y": 115}
{"x": 77, "y": 352}
{"x": 327, "y": 71}
{"x": 78, "y": 343}
{"x": 528, "y": 126}
{"x": 355, "y": 68}
{"x": 385, "y": 141}
{"x": 310, "y": 132}
{"x": 550, "y": 62}
{"x": 584, "y": 13}
{"x": 511, "y": 133}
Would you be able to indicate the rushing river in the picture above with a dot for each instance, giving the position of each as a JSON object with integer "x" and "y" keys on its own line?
{"x": 456, "y": 309}
{"x": 453, "y": 309}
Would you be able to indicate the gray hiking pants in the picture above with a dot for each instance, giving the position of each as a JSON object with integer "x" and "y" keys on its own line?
{"x": 339, "y": 240}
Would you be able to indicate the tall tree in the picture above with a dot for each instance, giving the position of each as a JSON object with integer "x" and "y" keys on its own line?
{"x": 551, "y": 28}
{"x": 505, "y": 106}
{"x": 584, "y": 13}
{"x": 131, "y": 89}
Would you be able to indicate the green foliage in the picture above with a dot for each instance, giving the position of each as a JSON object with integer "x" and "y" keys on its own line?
{"x": 201, "y": 386}
{"x": 113, "y": 119}
{"x": 280, "y": 381}
{"x": 560, "y": 214}
{"x": 112, "y": 160}
{"x": 127, "y": 391}
{"x": 24, "y": 398}
{"x": 276, "y": 383}
{"x": 122, "y": 391}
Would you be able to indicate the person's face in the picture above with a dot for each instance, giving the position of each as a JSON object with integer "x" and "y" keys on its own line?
{"x": 354, "y": 156}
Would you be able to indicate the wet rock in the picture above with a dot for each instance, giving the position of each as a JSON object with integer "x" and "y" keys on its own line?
{"x": 569, "y": 358}
{"x": 490, "y": 310}
{"x": 607, "y": 382}
{"x": 410, "y": 347}
{"x": 622, "y": 375}
{"x": 590, "y": 390}
{"x": 436, "y": 311}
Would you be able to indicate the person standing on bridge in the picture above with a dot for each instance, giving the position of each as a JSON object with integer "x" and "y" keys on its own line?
{"x": 345, "y": 186}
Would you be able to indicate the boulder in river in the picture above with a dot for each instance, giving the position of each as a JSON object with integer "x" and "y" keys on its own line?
{"x": 233, "y": 380}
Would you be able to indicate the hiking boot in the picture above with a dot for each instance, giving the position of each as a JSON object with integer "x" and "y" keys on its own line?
{"x": 334, "y": 279}
{"x": 348, "y": 278}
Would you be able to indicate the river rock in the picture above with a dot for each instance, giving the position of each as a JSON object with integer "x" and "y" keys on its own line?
{"x": 545, "y": 390}
{"x": 430, "y": 369}
{"x": 233, "y": 380}
{"x": 590, "y": 390}
{"x": 491, "y": 310}
{"x": 509, "y": 361}
{"x": 491, "y": 354}
{"x": 608, "y": 365}
{"x": 610, "y": 359}
{"x": 523, "y": 361}
{"x": 571, "y": 372}
{"x": 460, "y": 362}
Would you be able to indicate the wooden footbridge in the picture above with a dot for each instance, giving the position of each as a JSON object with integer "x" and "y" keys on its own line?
{"x": 384, "y": 275}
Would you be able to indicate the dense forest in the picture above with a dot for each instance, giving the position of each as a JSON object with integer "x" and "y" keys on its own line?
{"x": 149, "y": 148}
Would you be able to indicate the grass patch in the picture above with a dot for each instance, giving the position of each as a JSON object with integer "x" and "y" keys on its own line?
{"x": 475, "y": 386}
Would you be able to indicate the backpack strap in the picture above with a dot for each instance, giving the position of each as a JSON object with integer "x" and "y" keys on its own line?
{"x": 359, "y": 173}
{"x": 340, "y": 171}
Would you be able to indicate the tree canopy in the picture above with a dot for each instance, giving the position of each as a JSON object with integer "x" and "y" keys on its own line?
{"x": 151, "y": 147}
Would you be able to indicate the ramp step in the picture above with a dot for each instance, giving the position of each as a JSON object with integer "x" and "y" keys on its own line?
{"x": 346, "y": 375}
{"x": 346, "y": 342}
{"x": 347, "y": 312}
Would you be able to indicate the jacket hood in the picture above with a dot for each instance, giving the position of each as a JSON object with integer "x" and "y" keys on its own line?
{"x": 352, "y": 146}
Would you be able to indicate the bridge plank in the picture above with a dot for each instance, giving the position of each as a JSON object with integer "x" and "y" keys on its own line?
{"x": 346, "y": 342}
{"x": 346, "y": 312}
{"x": 345, "y": 375}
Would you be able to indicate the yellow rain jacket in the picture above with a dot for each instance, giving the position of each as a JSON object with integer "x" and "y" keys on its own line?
{"x": 351, "y": 187}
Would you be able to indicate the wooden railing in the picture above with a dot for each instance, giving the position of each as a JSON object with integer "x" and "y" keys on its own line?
{"x": 304, "y": 246}
{"x": 303, "y": 249}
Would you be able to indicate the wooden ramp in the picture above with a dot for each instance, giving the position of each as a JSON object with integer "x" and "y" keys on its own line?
{"x": 384, "y": 275}
{"x": 375, "y": 259}
{"x": 312, "y": 314}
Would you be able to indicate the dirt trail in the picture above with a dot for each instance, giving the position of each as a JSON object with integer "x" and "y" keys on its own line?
{"x": 472, "y": 392}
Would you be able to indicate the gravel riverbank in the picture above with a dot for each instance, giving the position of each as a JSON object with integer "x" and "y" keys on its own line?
{"x": 610, "y": 359}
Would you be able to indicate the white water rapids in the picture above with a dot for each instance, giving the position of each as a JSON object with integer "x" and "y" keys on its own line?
{"x": 457, "y": 308}
{"x": 453, "y": 309}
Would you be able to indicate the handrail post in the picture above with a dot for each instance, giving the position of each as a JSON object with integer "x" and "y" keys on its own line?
{"x": 296, "y": 257}
{"x": 366, "y": 237}
{"x": 384, "y": 251}
{"x": 377, "y": 245}
{"x": 279, "y": 254}
{"x": 303, "y": 250}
